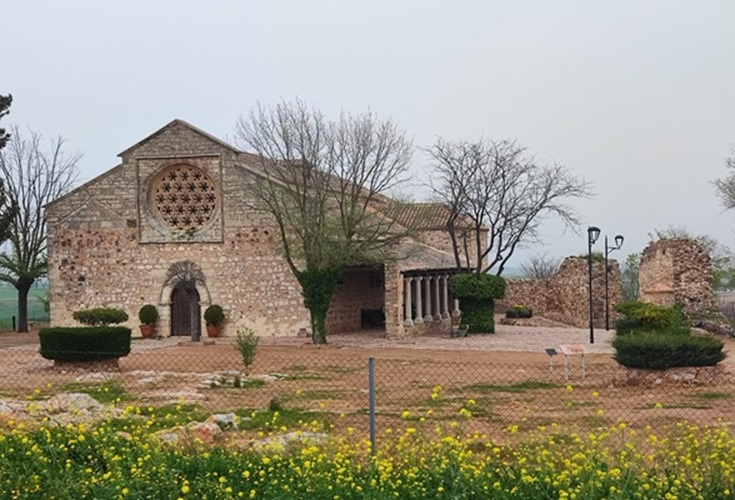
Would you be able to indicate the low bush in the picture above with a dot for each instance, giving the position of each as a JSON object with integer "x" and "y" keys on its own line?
{"x": 642, "y": 316}
{"x": 659, "y": 351}
{"x": 519, "y": 311}
{"x": 247, "y": 345}
{"x": 100, "y": 316}
{"x": 85, "y": 343}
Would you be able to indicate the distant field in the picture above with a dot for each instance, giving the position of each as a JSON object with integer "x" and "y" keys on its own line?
{"x": 9, "y": 306}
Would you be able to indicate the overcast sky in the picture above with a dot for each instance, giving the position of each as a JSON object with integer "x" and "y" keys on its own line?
{"x": 638, "y": 97}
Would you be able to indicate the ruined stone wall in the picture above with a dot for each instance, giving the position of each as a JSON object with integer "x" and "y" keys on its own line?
{"x": 565, "y": 297}
{"x": 677, "y": 271}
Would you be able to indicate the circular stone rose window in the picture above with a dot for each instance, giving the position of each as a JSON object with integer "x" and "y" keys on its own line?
{"x": 184, "y": 196}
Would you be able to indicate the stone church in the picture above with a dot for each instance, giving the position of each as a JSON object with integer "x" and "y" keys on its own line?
{"x": 170, "y": 226}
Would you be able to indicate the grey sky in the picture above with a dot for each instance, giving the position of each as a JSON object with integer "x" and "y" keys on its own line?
{"x": 637, "y": 97}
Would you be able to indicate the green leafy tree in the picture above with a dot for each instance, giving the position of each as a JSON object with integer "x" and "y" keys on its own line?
{"x": 34, "y": 176}
{"x": 7, "y": 209}
{"x": 5, "y": 102}
{"x": 629, "y": 276}
{"x": 320, "y": 180}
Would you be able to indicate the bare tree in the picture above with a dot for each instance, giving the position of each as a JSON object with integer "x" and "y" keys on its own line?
{"x": 629, "y": 276}
{"x": 495, "y": 186}
{"x": 725, "y": 187}
{"x": 325, "y": 179}
{"x": 34, "y": 176}
{"x": 540, "y": 267}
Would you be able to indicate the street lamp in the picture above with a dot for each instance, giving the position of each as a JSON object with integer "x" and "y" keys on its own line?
{"x": 593, "y": 233}
{"x": 618, "y": 243}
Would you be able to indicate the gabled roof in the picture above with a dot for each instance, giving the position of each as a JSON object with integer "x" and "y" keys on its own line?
{"x": 179, "y": 122}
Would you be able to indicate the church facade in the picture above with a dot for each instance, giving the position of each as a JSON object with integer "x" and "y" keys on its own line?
{"x": 171, "y": 226}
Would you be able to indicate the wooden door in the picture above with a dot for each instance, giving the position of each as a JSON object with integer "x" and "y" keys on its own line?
{"x": 185, "y": 313}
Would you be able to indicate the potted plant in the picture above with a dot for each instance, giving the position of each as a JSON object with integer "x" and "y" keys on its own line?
{"x": 214, "y": 316}
{"x": 148, "y": 315}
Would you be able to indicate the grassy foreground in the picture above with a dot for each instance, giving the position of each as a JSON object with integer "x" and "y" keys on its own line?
{"x": 121, "y": 458}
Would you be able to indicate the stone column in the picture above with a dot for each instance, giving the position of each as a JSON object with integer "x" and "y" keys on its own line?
{"x": 407, "y": 316}
{"x": 437, "y": 298}
{"x": 419, "y": 303}
{"x": 428, "y": 317}
{"x": 445, "y": 297}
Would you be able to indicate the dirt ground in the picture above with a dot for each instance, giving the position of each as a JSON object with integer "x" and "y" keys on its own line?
{"x": 508, "y": 378}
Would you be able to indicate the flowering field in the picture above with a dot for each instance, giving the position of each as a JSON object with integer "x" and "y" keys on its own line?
{"x": 123, "y": 458}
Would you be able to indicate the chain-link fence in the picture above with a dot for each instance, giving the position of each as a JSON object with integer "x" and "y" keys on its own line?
{"x": 410, "y": 385}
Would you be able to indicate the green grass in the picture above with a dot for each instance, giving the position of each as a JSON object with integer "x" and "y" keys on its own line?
{"x": 516, "y": 388}
{"x": 9, "y": 306}
{"x": 712, "y": 395}
{"x": 106, "y": 392}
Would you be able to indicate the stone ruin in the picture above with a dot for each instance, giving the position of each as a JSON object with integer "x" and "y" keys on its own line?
{"x": 565, "y": 296}
{"x": 678, "y": 271}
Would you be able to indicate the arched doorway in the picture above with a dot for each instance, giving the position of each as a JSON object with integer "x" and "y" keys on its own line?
{"x": 185, "y": 312}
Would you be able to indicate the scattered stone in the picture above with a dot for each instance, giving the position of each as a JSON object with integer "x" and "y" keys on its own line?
{"x": 72, "y": 402}
{"x": 207, "y": 432}
{"x": 280, "y": 442}
{"x": 224, "y": 420}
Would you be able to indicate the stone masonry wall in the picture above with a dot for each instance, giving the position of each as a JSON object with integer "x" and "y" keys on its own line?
{"x": 565, "y": 297}
{"x": 677, "y": 271}
{"x": 360, "y": 289}
{"x": 96, "y": 257}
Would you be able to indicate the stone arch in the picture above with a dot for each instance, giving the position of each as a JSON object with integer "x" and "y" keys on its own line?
{"x": 188, "y": 273}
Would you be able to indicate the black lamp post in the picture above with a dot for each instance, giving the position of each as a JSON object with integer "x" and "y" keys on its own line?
{"x": 618, "y": 243}
{"x": 593, "y": 233}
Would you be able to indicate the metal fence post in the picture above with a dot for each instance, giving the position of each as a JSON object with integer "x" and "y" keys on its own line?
{"x": 371, "y": 392}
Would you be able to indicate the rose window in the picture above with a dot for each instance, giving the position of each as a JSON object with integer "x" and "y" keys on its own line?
{"x": 184, "y": 196}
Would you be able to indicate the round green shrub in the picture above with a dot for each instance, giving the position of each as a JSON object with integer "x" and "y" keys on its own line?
{"x": 484, "y": 286}
{"x": 100, "y": 316}
{"x": 214, "y": 315}
{"x": 659, "y": 351}
{"x": 148, "y": 314}
{"x": 80, "y": 343}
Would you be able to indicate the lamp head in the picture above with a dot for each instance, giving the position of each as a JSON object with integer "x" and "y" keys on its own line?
{"x": 593, "y": 232}
{"x": 619, "y": 241}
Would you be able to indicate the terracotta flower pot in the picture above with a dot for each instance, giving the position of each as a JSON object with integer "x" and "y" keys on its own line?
{"x": 214, "y": 330}
{"x": 148, "y": 330}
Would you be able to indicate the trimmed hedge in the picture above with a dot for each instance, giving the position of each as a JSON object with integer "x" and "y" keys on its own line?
{"x": 478, "y": 315}
{"x": 100, "y": 316}
{"x": 484, "y": 286}
{"x": 659, "y": 351}
{"x": 85, "y": 343}
{"x": 477, "y": 296}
